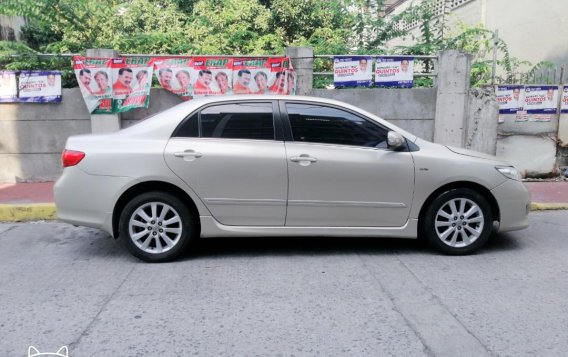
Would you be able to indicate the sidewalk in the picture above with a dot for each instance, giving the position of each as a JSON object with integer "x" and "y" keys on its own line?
{"x": 34, "y": 201}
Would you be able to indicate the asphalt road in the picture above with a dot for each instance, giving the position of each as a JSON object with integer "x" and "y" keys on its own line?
{"x": 61, "y": 285}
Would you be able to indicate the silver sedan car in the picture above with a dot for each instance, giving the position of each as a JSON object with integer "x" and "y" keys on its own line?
{"x": 281, "y": 166}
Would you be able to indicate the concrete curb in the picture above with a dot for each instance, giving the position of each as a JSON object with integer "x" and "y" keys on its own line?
{"x": 27, "y": 212}
{"x": 535, "y": 206}
{"x": 46, "y": 211}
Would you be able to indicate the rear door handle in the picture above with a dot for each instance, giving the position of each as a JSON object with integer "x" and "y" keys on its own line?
{"x": 188, "y": 153}
{"x": 303, "y": 158}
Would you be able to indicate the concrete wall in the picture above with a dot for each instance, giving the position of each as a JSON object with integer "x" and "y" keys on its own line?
{"x": 410, "y": 109}
{"x": 528, "y": 145}
{"x": 32, "y": 136}
{"x": 481, "y": 134}
{"x": 160, "y": 99}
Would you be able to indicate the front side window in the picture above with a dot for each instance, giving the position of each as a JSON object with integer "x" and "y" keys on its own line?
{"x": 238, "y": 121}
{"x": 320, "y": 124}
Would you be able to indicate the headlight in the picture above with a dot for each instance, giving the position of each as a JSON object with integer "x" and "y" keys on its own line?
{"x": 509, "y": 172}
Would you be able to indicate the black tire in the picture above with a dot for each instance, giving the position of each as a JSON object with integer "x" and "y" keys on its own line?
{"x": 434, "y": 235}
{"x": 182, "y": 239}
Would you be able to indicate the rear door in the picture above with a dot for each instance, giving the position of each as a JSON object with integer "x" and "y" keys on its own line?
{"x": 230, "y": 155}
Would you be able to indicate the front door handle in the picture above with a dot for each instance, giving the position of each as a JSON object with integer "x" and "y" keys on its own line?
{"x": 188, "y": 154}
{"x": 303, "y": 159}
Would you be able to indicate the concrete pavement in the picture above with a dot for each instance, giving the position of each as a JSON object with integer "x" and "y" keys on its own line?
{"x": 63, "y": 285}
{"x": 34, "y": 201}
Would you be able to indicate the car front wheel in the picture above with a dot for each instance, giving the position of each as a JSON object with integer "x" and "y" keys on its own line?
{"x": 458, "y": 221}
{"x": 156, "y": 227}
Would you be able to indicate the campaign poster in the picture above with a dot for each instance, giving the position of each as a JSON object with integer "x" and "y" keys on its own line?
{"x": 8, "y": 87}
{"x": 394, "y": 72}
{"x": 94, "y": 76}
{"x": 251, "y": 76}
{"x": 212, "y": 76}
{"x": 132, "y": 81}
{"x": 281, "y": 80}
{"x": 564, "y": 105}
{"x": 40, "y": 86}
{"x": 541, "y": 99}
{"x": 352, "y": 71}
{"x": 511, "y": 98}
{"x": 292, "y": 78}
{"x": 174, "y": 74}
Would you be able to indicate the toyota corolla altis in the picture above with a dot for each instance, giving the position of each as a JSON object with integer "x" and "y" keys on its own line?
{"x": 281, "y": 166}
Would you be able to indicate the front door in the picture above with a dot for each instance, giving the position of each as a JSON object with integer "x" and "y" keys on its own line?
{"x": 340, "y": 172}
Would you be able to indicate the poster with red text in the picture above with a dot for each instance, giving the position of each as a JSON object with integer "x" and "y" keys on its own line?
{"x": 250, "y": 75}
{"x": 212, "y": 76}
{"x": 94, "y": 76}
{"x": 174, "y": 74}
{"x": 132, "y": 81}
{"x": 282, "y": 79}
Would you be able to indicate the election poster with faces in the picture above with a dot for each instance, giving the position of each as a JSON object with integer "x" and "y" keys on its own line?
{"x": 8, "y": 86}
{"x": 541, "y": 102}
{"x": 352, "y": 71}
{"x": 394, "y": 71}
{"x": 40, "y": 86}
{"x": 511, "y": 98}
{"x": 132, "y": 81}
{"x": 281, "y": 79}
{"x": 94, "y": 76}
{"x": 564, "y": 105}
{"x": 250, "y": 76}
{"x": 174, "y": 74}
{"x": 541, "y": 99}
{"x": 212, "y": 76}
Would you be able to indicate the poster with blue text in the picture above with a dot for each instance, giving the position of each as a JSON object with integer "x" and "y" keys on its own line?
{"x": 8, "y": 87}
{"x": 511, "y": 98}
{"x": 394, "y": 72}
{"x": 541, "y": 99}
{"x": 352, "y": 71}
{"x": 40, "y": 86}
{"x": 564, "y": 105}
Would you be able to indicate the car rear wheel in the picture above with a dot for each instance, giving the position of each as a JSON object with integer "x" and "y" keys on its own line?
{"x": 156, "y": 227}
{"x": 458, "y": 221}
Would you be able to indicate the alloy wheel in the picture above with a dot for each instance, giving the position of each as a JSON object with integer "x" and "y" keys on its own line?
{"x": 459, "y": 222}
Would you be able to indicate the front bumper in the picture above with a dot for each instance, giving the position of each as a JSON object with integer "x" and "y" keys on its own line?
{"x": 514, "y": 203}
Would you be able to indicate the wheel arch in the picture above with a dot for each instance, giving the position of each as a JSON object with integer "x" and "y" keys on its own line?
{"x": 149, "y": 186}
{"x": 482, "y": 190}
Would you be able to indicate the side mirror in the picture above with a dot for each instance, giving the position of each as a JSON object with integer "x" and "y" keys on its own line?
{"x": 395, "y": 140}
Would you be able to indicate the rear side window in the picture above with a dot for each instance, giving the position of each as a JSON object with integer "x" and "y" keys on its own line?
{"x": 189, "y": 128}
{"x": 238, "y": 121}
{"x": 320, "y": 124}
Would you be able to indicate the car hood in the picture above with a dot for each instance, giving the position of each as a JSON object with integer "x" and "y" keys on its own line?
{"x": 472, "y": 153}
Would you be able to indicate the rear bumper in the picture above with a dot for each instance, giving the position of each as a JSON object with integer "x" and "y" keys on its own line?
{"x": 514, "y": 203}
{"x": 87, "y": 200}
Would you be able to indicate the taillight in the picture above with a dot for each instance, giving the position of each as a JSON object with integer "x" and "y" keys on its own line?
{"x": 71, "y": 157}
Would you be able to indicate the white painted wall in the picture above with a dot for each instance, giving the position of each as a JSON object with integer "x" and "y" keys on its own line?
{"x": 533, "y": 30}
{"x": 14, "y": 23}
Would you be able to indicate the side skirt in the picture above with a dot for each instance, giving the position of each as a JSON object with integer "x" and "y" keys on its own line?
{"x": 210, "y": 228}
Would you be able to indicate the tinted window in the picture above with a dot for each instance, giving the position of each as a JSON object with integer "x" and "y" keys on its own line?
{"x": 238, "y": 121}
{"x": 189, "y": 128}
{"x": 319, "y": 124}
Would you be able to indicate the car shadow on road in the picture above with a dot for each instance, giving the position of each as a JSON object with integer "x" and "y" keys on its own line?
{"x": 281, "y": 246}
